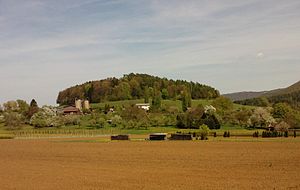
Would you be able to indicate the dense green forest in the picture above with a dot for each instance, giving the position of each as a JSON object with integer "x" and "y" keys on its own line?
{"x": 135, "y": 86}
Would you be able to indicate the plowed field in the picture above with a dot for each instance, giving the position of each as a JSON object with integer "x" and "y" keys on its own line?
{"x": 65, "y": 164}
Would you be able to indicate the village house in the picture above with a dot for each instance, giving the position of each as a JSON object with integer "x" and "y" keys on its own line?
{"x": 70, "y": 110}
{"x": 144, "y": 106}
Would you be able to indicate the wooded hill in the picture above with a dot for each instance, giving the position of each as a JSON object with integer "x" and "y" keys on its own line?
{"x": 135, "y": 86}
{"x": 289, "y": 95}
{"x": 250, "y": 94}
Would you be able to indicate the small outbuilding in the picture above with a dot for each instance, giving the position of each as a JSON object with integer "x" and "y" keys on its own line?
{"x": 179, "y": 136}
{"x": 119, "y": 137}
{"x": 157, "y": 136}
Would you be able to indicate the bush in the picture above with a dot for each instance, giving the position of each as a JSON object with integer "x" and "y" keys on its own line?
{"x": 97, "y": 123}
{"x": 116, "y": 121}
{"x": 212, "y": 122}
{"x": 70, "y": 120}
{"x": 13, "y": 120}
{"x": 256, "y": 134}
{"x": 204, "y": 130}
{"x": 226, "y": 134}
{"x": 215, "y": 134}
{"x": 282, "y": 126}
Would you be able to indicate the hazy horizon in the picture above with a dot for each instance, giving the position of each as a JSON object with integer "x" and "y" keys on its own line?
{"x": 47, "y": 46}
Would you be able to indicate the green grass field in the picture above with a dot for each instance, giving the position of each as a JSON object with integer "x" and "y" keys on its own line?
{"x": 165, "y": 103}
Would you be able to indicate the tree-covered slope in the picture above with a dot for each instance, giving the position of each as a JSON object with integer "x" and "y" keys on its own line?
{"x": 237, "y": 96}
{"x": 289, "y": 95}
{"x": 134, "y": 86}
{"x": 243, "y": 95}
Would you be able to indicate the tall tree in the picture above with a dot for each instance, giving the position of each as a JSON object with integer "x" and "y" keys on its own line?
{"x": 223, "y": 105}
{"x": 146, "y": 94}
{"x": 11, "y": 106}
{"x": 186, "y": 101}
{"x": 23, "y": 107}
{"x": 156, "y": 100}
{"x": 33, "y": 108}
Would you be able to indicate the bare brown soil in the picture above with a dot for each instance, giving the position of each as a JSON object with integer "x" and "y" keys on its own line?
{"x": 59, "y": 164}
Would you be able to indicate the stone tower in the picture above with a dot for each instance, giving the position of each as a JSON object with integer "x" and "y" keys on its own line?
{"x": 86, "y": 105}
{"x": 78, "y": 104}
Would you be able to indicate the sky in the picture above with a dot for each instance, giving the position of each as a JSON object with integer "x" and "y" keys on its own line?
{"x": 232, "y": 45}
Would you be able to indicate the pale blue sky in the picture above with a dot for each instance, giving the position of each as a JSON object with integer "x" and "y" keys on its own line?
{"x": 233, "y": 45}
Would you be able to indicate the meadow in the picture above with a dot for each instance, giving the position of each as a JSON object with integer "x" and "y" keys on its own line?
{"x": 164, "y": 103}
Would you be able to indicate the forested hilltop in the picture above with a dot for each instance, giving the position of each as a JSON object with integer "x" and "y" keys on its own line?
{"x": 135, "y": 86}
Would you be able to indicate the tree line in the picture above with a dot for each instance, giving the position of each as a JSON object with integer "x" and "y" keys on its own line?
{"x": 135, "y": 86}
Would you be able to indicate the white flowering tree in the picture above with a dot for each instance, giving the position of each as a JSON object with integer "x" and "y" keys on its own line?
{"x": 261, "y": 117}
{"x": 45, "y": 117}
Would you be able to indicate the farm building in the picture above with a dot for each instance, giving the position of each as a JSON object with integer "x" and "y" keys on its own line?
{"x": 70, "y": 110}
{"x": 143, "y": 106}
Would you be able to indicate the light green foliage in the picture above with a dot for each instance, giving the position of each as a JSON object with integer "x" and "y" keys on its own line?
{"x": 156, "y": 100}
{"x": 88, "y": 90}
{"x": 169, "y": 120}
{"x": 116, "y": 121}
{"x": 136, "y": 90}
{"x": 281, "y": 110}
{"x": 11, "y": 106}
{"x": 95, "y": 120}
{"x": 159, "y": 120}
{"x": 143, "y": 124}
{"x": 222, "y": 105}
{"x": 186, "y": 100}
{"x": 164, "y": 94}
{"x": 241, "y": 116}
{"x": 70, "y": 120}
{"x": 23, "y": 107}
{"x": 13, "y": 120}
{"x": 133, "y": 113}
{"x": 204, "y": 131}
{"x": 122, "y": 91}
{"x": 146, "y": 94}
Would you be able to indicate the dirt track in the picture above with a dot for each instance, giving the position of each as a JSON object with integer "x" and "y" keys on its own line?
{"x": 54, "y": 164}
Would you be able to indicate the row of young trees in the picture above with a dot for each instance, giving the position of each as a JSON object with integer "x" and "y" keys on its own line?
{"x": 135, "y": 86}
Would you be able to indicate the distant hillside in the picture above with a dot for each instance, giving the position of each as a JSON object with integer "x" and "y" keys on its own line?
{"x": 134, "y": 86}
{"x": 289, "y": 95}
{"x": 249, "y": 95}
{"x": 243, "y": 95}
{"x": 293, "y": 88}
